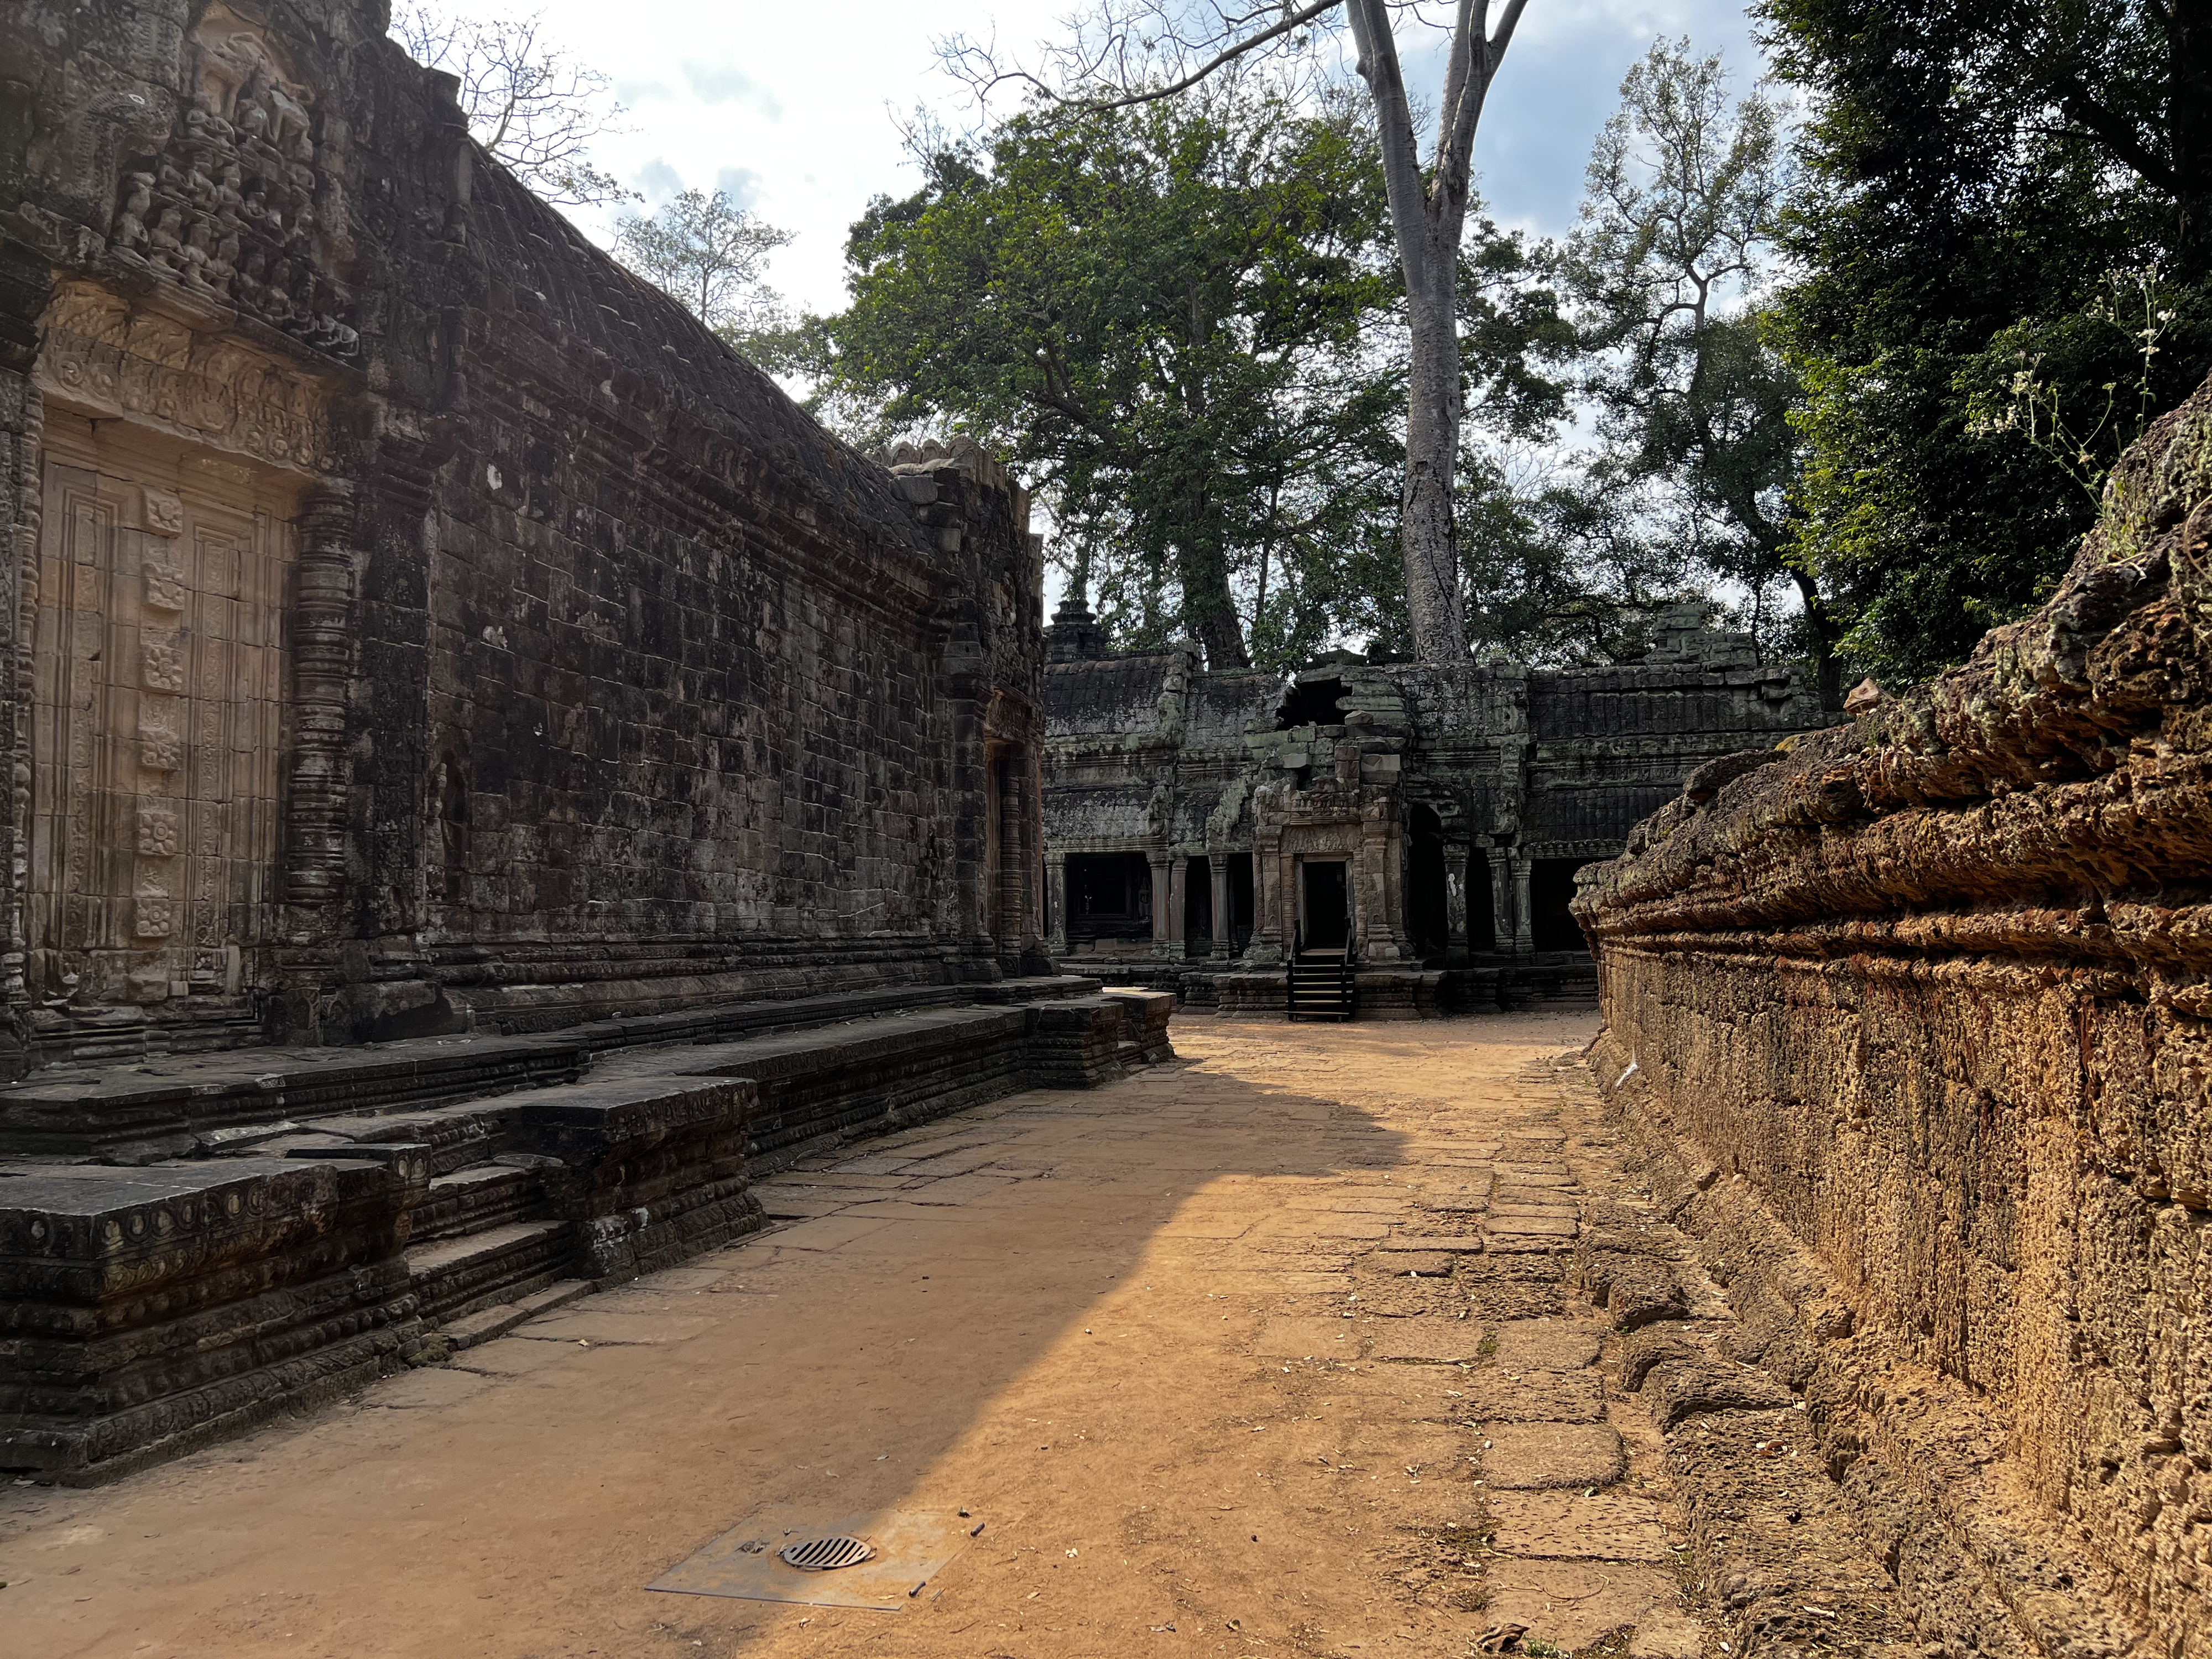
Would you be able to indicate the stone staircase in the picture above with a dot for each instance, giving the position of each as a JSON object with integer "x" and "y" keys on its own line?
{"x": 334, "y": 1214}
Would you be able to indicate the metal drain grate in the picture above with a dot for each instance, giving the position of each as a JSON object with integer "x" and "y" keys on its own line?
{"x": 825, "y": 1554}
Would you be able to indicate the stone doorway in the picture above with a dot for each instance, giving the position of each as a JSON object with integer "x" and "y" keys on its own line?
{"x": 1553, "y": 927}
{"x": 160, "y": 676}
{"x": 1327, "y": 904}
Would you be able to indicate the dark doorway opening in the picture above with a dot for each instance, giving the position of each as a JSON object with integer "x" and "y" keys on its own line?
{"x": 1428, "y": 917}
{"x": 1329, "y": 906}
{"x": 1312, "y": 702}
{"x": 1240, "y": 899}
{"x": 1481, "y": 906}
{"x": 1553, "y": 926}
{"x": 1198, "y": 907}
{"x": 1109, "y": 897}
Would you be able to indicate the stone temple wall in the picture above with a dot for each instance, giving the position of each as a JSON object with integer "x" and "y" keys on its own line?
{"x": 1914, "y": 1023}
{"x": 1460, "y": 796}
{"x": 414, "y": 622}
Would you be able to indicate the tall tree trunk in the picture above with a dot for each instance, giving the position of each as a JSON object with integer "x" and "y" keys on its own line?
{"x": 1428, "y": 535}
{"x": 1209, "y": 612}
{"x": 1820, "y": 636}
{"x": 1426, "y": 215}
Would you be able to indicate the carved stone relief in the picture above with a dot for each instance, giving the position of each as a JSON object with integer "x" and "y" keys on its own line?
{"x": 111, "y": 357}
{"x": 244, "y": 205}
{"x": 159, "y": 679}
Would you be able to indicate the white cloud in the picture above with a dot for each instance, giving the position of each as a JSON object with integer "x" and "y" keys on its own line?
{"x": 657, "y": 181}
{"x": 727, "y": 84}
{"x": 793, "y": 103}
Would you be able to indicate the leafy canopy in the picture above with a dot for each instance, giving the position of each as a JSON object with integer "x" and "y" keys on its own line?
{"x": 1978, "y": 175}
{"x": 1166, "y": 315}
{"x": 708, "y": 254}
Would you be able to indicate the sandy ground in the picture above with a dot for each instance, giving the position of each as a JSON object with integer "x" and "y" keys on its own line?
{"x": 1112, "y": 1326}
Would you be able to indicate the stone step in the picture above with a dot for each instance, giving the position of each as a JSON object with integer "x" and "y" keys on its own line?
{"x": 457, "y": 1276}
{"x": 486, "y": 1324}
{"x": 475, "y": 1198}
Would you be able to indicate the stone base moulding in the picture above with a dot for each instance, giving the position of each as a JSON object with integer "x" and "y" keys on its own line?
{"x": 329, "y": 1236}
{"x": 1914, "y": 1023}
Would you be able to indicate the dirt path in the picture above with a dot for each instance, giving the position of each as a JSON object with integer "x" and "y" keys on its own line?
{"x": 1262, "y": 1353}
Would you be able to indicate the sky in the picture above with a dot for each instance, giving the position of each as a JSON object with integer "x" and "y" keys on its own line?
{"x": 790, "y": 108}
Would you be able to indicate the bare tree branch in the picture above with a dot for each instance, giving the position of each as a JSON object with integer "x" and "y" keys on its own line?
{"x": 533, "y": 108}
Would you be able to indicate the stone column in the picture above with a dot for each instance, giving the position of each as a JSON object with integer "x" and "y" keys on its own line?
{"x": 1381, "y": 929}
{"x": 1271, "y": 924}
{"x": 1501, "y": 900}
{"x": 1455, "y": 940}
{"x": 1524, "y": 935}
{"x": 1225, "y": 918}
{"x": 1055, "y": 902}
{"x": 1177, "y": 931}
{"x": 22, "y": 419}
{"x": 1160, "y": 903}
{"x": 322, "y": 669}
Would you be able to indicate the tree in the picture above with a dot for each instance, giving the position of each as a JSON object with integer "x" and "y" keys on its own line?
{"x": 1975, "y": 173}
{"x": 1167, "y": 314}
{"x": 533, "y": 108}
{"x": 1132, "y": 51}
{"x": 707, "y": 254}
{"x": 1562, "y": 566}
{"x": 1666, "y": 267}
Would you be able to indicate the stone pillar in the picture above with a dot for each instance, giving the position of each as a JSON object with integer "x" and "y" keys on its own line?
{"x": 1160, "y": 901}
{"x": 1176, "y": 934}
{"x": 1524, "y": 936}
{"x": 1270, "y": 923}
{"x": 322, "y": 669}
{"x": 1501, "y": 900}
{"x": 1225, "y": 916}
{"x": 22, "y": 419}
{"x": 1055, "y": 902}
{"x": 1455, "y": 940}
{"x": 1381, "y": 924}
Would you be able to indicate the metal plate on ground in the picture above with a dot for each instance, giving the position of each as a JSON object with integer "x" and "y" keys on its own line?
{"x": 911, "y": 1548}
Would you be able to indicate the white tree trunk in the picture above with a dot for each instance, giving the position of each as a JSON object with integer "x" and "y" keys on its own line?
{"x": 1429, "y": 540}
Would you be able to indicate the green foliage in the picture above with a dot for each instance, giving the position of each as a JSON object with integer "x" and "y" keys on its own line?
{"x": 707, "y": 254}
{"x": 1975, "y": 171}
{"x": 1181, "y": 321}
{"x": 1665, "y": 268}
{"x": 1176, "y": 320}
{"x": 1562, "y": 567}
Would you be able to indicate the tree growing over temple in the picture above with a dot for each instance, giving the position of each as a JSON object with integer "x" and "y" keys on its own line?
{"x": 1126, "y": 52}
{"x": 533, "y": 107}
{"x": 710, "y": 256}
{"x": 1169, "y": 317}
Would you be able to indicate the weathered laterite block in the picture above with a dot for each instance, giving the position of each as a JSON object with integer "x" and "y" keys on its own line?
{"x": 1914, "y": 1025}
{"x": 1076, "y": 1044}
{"x": 1144, "y": 1016}
{"x": 650, "y": 1170}
{"x": 145, "y": 1310}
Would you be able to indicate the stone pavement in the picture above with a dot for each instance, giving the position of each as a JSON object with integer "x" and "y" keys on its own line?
{"x": 1268, "y": 1351}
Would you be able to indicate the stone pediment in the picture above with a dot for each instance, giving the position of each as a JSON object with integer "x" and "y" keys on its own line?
{"x": 244, "y": 206}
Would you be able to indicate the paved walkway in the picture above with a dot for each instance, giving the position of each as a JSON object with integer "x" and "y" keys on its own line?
{"x": 1265, "y": 1352}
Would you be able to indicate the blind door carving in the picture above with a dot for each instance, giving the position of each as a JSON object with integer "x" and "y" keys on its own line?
{"x": 161, "y": 671}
